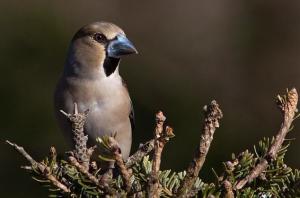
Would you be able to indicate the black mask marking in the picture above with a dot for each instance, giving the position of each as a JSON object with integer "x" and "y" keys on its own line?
{"x": 110, "y": 65}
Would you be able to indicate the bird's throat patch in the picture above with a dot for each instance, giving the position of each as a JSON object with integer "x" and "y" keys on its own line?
{"x": 110, "y": 65}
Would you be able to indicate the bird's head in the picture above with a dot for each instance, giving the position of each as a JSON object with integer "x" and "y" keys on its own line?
{"x": 98, "y": 47}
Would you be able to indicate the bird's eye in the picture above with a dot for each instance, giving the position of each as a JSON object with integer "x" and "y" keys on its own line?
{"x": 100, "y": 38}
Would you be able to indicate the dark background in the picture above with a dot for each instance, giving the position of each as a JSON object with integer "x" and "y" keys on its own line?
{"x": 241, "y": 53}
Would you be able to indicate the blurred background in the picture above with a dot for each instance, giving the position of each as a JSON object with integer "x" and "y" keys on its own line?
{"x": 241, "y": 53}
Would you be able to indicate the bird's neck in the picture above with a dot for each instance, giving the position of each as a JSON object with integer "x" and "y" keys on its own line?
{"x": 82, "y": 65}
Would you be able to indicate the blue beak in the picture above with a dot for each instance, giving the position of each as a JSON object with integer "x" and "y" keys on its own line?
{"x": 120, "y": 46}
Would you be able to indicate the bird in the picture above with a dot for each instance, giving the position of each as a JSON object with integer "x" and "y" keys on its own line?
{"x": 91, "y": 79}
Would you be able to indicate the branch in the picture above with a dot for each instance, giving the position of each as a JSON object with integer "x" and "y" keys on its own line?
{"x": 212, "y": 114}
{"x": 101, "y": 183}
{"x": 288, "y": 106}
{"x": 143, "y": 150}
{"x": 158, "y": 147}
{"x": 82, "y": 153}
{"x": 228, "y": 188}
{"x": 84, "y": 171}
{"x": 43, "y": 169}
{"x": 116, "y": 151}
{"x": 160, "y": 139}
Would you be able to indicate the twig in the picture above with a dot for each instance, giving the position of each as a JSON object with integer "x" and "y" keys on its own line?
{"x": 228, "y": 188}
{"x": 192, "y": 193}
{"x": 288, "y": 106}
{"x": 212, "y": 116}
{"x": 53, "y": 154}
{"x": 91, "y": 177}
{"x": 84, "y": 171}
{"x": 82, "y": 153}
{"x": 153, "y": 190}
{"x": 106, "y": 178}
{"x": 116, "y": 151}
{"x": 43, "y": 169}
{"x": 29, "y": 168}
{"x": 53, "y": 158}
{"x": 140, "y": 153}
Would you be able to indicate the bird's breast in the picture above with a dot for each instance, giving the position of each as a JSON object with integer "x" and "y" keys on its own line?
{"x": 109, "y": 107}
{"x": 108, "y": 103}
{"x": 102, "y": 96}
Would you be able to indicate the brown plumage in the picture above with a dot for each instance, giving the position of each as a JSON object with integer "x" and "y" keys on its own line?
{"x": 91, "y": 79}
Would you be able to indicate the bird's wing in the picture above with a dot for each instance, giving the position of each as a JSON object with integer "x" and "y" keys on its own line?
{"x": 131, "y": 114}
{"x": 131, "y": 117}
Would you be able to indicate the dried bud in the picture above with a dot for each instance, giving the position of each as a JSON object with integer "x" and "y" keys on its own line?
{"x": 94, "y": 165}
{"x": 160, "y": 117}
{"x": 169, "y": 132}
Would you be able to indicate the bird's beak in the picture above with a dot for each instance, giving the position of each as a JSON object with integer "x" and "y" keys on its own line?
{"x": 120, "y": 46}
